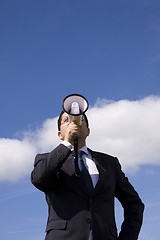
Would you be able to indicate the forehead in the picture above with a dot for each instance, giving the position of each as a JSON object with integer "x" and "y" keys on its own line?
{"x": 65, "y": 115}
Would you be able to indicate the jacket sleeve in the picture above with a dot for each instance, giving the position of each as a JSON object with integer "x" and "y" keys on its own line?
{"x": 46, "y": 168}
{"x": 132, "y": 204}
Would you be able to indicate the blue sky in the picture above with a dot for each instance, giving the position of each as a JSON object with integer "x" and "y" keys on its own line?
{"x": 106, "y": 50}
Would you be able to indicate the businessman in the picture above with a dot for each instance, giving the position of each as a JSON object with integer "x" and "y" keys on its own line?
{"x": 82, "y": 207}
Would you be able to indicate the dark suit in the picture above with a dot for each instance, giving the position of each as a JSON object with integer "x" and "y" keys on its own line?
{"x": 71, "y": 212}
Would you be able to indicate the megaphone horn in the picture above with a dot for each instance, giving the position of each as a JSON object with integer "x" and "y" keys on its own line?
{"x": 75, "y": 104}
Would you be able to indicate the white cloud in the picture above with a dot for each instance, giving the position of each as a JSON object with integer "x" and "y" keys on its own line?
{"x": 15, "y": 158}
{"x": 129, "y": 130}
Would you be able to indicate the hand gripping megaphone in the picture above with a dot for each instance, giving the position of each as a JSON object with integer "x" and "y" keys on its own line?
{"x": 75, "y": 105}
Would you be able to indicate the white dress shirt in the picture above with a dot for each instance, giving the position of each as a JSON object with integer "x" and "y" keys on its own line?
{"x": 90, "y": 165}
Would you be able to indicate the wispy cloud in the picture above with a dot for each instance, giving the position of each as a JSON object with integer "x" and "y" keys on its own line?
{"x": 154, "y": 203}
{"x": 25, "y": 231}
{"x": 13, "y": 196}
{"x": 127, "y": 129}
{"x": 149, "y": 171}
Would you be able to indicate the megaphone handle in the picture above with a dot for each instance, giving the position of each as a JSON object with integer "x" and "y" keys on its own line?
{"x": 77, "y": 171}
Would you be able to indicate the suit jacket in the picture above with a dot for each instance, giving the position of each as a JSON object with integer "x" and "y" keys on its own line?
{"x": 72, "y": 213}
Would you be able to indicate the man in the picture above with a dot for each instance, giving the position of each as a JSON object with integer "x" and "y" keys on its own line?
{"x": 74, "y": 213}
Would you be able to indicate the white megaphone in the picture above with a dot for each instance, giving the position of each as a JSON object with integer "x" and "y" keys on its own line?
{"x": 75, "y": 105}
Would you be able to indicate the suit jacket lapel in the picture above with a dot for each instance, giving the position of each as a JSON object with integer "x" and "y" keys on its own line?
{"x": 76, "y": 182}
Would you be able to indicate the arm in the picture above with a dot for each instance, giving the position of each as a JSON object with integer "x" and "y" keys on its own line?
{"x": 132, "y": 204}
{"x": 46, "y": 168}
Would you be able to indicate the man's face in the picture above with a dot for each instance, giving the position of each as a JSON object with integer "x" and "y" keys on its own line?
{"x": 67, "y": 130}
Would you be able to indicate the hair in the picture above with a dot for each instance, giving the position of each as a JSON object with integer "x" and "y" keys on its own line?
{"x": 60, "y": 118}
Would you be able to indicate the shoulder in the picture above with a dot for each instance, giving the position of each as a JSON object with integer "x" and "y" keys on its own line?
{"x": 103, "y": 157}
{"x": 101, "y": 154}
{"x": 39, "y": 157}
{"x": 60, "y": 151}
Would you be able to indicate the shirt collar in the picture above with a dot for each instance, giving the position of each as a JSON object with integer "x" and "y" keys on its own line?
{"x": 84, "y": 149}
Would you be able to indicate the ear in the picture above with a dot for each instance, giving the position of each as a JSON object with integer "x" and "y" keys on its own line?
{"x": 59, "y": 135}
{"x": 88, "y": 131}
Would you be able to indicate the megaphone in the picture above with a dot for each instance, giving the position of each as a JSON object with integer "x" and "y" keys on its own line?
{"x": 75, "y": 105}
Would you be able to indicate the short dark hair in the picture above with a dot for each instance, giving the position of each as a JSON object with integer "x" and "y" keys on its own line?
{"x": 60, "y": 118}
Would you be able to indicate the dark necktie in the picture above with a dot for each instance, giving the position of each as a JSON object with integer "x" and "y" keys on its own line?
{"x": 84, "y": 173}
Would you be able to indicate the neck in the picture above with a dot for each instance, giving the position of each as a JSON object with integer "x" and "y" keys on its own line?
{"x": 80, "y": 144}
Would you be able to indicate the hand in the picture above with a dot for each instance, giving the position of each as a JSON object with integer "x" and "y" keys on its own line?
{"x": 71, "y": 130}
